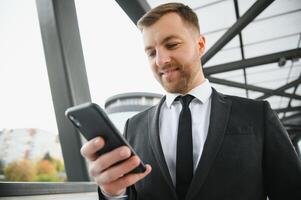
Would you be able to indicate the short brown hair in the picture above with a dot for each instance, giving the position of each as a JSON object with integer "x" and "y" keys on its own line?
{"x": 185, "y": 12}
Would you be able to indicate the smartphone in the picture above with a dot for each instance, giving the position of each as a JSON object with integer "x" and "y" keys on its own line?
{"x": 92, "y": 121}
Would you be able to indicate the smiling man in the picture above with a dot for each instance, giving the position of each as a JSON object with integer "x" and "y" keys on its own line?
{"x": 174, "y": 48}
{"x": 199, "y": 144}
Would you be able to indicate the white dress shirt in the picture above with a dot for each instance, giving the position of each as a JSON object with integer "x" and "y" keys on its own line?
{"x": 200, "y": 108}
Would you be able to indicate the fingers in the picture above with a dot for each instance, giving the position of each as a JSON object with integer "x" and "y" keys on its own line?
{"x": 119, "y": 170}
{"x": 124, "y": 182}
{"x": 132, "y": 178}
{"x": 111, "y": 170}
{"x": 108, "y": 159}
{"x": 90, "y": 148}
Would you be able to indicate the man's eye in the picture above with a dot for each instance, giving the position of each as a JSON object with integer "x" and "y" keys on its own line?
{"x": 151, "y": 54}
{"x": 172, "y": 45}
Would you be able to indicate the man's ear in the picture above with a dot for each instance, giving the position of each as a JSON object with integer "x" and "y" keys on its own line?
{"x": 202, "y": 45}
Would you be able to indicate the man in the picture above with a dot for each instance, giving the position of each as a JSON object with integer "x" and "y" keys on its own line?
{"x": 225, "y": 147}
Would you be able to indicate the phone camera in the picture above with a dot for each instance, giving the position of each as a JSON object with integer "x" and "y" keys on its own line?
{"x": 75, "y": 121}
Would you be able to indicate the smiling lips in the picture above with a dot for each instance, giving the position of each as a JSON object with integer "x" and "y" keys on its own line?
{"x": 166, "y": 73}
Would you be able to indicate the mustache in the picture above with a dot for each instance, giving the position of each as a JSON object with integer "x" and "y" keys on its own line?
{"x": 171, "y": 65}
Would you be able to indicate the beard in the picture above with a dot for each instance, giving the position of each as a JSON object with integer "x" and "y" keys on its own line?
{"x": 178, "y": 81}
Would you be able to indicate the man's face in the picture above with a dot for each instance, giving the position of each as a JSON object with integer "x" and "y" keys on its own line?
{"x": 174, "y": 50}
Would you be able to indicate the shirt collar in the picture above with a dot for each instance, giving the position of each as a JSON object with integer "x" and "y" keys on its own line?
{"x": 202, "y": 92}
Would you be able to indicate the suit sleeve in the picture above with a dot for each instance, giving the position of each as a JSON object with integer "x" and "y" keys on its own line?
{"x": 281, "y": 164}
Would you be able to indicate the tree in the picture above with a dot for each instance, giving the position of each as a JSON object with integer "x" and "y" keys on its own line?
{"x": 46, "y": 167}
{"x": 20, "y": 170}
{"x": 48, "y": 170}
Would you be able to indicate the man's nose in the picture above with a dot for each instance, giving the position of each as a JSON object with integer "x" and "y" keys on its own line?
{"x": 162, "y": 58}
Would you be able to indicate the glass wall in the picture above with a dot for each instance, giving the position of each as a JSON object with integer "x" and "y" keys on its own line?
{"x": 119, "y": 119}
{"x": 29, "y": 144}
{"x": 113, "y": 51}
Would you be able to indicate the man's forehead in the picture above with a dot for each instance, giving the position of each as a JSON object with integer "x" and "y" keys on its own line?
{"x": 168, "y": 27}
{"x": 160, "y": 33}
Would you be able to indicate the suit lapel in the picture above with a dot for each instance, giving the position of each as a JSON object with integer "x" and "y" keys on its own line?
{"x": 154, "y": 137}
{"x": 220, "y": 110}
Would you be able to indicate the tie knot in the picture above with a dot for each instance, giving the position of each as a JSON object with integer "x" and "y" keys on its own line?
{"x": 185, "y": 100}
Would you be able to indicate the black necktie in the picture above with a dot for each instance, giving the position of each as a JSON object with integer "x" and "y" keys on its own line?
{"x": 184, "y": 165}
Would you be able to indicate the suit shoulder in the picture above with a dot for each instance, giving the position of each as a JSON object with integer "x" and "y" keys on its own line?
{"x": 242, "y": 106}
{"x": 143, "y": 114}
{"x": 245, "y": 113}
{"x": 243, "y": 100}
{"x": 137, "y": 124}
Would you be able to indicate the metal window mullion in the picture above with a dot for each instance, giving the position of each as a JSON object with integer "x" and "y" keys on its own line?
{"x": 67, "y": 76}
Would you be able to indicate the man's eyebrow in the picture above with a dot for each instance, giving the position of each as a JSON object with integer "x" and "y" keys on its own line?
{"x": 147, "y": 48}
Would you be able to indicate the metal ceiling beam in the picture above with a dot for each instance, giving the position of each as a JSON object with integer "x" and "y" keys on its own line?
{"x": 135, "y": 9}
{"x": 252, "y": 87}
{"x": 288, "y": 109}
{"x": 253, "y": 62}
{"x": 282, "y": 88}
{"x": 292, "y": 119}
{"x": 240, "y": 24}
{"x": 292, "y": 126}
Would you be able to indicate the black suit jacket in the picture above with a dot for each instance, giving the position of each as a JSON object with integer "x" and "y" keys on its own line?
{"x": 247, "y": 155}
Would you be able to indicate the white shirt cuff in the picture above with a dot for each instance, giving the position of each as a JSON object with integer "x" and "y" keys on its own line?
{"x": 107, "y": 196}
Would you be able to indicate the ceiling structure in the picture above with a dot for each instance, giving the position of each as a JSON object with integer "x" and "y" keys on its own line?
{"x": 253, "y": 49}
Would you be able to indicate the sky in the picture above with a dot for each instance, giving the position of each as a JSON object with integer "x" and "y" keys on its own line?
{"x": 112, "y": 48}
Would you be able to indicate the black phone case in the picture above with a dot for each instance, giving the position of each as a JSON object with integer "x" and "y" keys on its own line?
{"x": 92, "y": 121}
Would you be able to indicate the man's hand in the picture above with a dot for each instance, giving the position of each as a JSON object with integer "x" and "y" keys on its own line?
{"x": 112, "y": 179}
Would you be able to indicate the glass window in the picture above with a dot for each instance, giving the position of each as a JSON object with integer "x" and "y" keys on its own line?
{"x": 113, "y": 50}
{"x": 119, "y": 119}
{"x": 210, "y": 21}
{"x": 29, "y": 142}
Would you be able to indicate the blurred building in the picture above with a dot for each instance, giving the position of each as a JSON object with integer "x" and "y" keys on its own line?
{"x": 28, "y": 143}
{"x": 123, "y": 106}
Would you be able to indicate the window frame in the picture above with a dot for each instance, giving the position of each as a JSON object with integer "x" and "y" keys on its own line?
{"x": 37, "y": 188}
{"x": 69, "y": 87}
